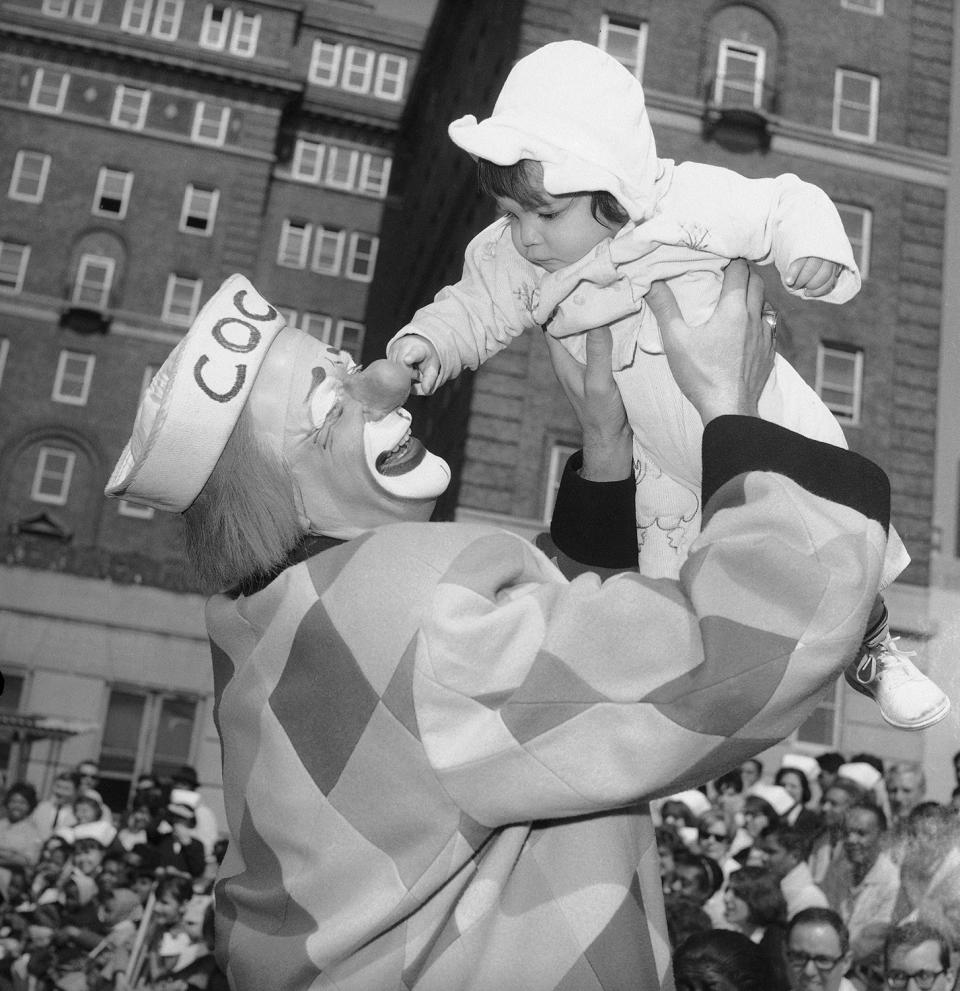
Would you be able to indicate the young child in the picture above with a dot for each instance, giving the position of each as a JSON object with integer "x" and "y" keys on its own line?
{"x": 591, "y": 219}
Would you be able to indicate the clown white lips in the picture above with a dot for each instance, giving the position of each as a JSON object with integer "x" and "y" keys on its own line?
{"x": 400, "y": 462}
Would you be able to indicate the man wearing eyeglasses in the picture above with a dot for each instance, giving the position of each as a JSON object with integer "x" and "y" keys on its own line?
{"x": 916, "y": 957}
{"x": 818, "y": 951}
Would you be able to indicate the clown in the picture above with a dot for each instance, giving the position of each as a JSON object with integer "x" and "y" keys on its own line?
{"x": 438, "y": 750}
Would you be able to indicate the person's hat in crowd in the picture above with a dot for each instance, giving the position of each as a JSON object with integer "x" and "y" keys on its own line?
{"x": 101, "y": 831}
{"x": 183, "y": 803}
{"x": 186, "y": 777}
{"x": 207, "y": 379}
{"x": 803, "y": 763}
{"x": 776, "y": 796}
{"x": 695, "y": 801}
{"x": 860, "y": 773}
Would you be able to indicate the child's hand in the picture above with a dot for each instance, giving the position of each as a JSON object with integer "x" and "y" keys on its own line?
{"x": 421, "y": 357}
{"x": 816, "y": 276}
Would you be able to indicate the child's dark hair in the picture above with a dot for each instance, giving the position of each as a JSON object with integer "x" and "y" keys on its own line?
{"x": 516, "y": 182}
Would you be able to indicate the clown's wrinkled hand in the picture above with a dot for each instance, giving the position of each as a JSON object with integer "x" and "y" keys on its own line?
{"x": 420, "y": 356}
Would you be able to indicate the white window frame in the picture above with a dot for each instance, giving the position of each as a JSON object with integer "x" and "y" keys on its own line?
{"x": 324, "y": 237}
{"x": 124, "y": 179}
{"x": 374, "y": 181}
{"x": 42, "y": 473}
{"x": 166, "y": 20}
{"x": 861, "y": 218}
{"x": 201, "y": 203}
{"x": 391, "y": 74}
{"x": 81, "y": 374}
{"x": 87, "y": 11}
{"x": 176, "y": 284}
{"x": 136, "y": 16}
{"x": 293, "y": 248}
{"x": 318, "y": 325}
{"x": 214, "y": 33}
{"x": 56, "y": 8}
{"x": 135, "y": 510}
{"x": 245, "y": 34}
{"x": 4, "y": 352}
{"x": 132, "y": 101}
{"x": 638, "y": 32}
{"x": 39, "y": 179}
{"x": 559, "y": 455}
{"x": 326, "y": 58}
{"x": 873, "y": 7}
{"x": 302, "y": 153}
{"x": 759, "y": 54}
{"x": 202, "y": 122}
{"x": 871, "y": 108}
{"x": 350, "y": 325}
{"x": 367, "y": 256}
{"x": 335, "y": 156}
{"x": 38, "y": 87}
{"x": 362, "y": 62}
{"x": 23, "y": 251}
{"x": 848, "y": 413}
{"x": 101, "y": 287}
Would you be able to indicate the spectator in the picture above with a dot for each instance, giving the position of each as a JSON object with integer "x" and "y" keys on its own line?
{"x": 755, "y": 907}
{"x": 787, "y": 851}
{"x": 91, "y": 840}
{"x": 818, "y": 951}
{"x": 695, "y": 876}
{"x": 796, "y": 782}
{"x": 862, "y": 886}
{"x": 88, "y": 780}
{"x": 20, "y": 841}
{"x": 139, "y": 824}
{"x": 684, "y": 917}
{"x": 906, "y": 787}
{"x": 51, "y": 871}
{"x": 828, "y": 843}
{"x": 87, "y": 809}
{"x": 669, "y": 845}
{"x": 173, "y": 843}
{"x": 715, "y": 833}
{"x": 829, "y": 764}
{"x": 917, "y": 958}
{"x": 166, "y": 934}
{"x": 108, "y": 960}
{"x": 762, "y": 808}
{"x": 721, "y": 961}
{"x": 729, "y": 791}
{"x": 751, "y": 773}
{"x": 56, "y": 812}
{"x": 207, "y": 830}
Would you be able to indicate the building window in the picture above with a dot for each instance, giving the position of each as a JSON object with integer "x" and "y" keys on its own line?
{"x": 856, "y": 97}
{"x": 144, "y": 732}
{"x": 740, "y": 70}
{"x": 246, "y": 32}
{"x": 839, "y": 380}
{"x": 52, "y": 477}
{"x": 328, "y": 250}
{"x": 858, "y": 223}
{"x": 626, "y": 41}
{"x": 390, "y": 77}
{"x": 181, "y": 300}
{"x": 374, "y": 174}
{"x": 130, "y": 107}
{"x": 215, "y": 27}
{"x": 559, "y": 454}
{"x": 307, "y": 160}
{"x": 820, "y": 726}
{"x": 362, "y": 257}
{"x": 49, "y": 91}
{"x": 166, "y": 21}
{"x": 135, "y": 510}
{"x": 113, "y": 193}
{"x": 56, "y": 8}
{"x": 87, "y": 11}
{"x": 136, "y": 16}
{"x": 341, "y": 168}
{"x": 294, "y": 244}
{"x": 874, "y": 7}
{"x": 29, "y": 179}
{"x": 349, "y": 337}
{"x": 210, "y": 124}
{"x": 199, "y": 210}
{"x": 71, "y": 384}
{"x": 94, "y": 281}
{"x": 4, "y": 351}
{"x": 13, "y": 265}
{"x": 325, "y": 63}
{"x": 358, "y": 69}
{"x": 317, "y": 325}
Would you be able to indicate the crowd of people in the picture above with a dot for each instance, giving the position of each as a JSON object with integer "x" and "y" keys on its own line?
{"x": 91, "y": 900}
{"x": 837, "y": 874}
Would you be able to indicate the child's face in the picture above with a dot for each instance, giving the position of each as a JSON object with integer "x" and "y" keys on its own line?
{"x": 556, "y": 231}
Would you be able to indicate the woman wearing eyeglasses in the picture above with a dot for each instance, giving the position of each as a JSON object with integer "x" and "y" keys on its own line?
{"x": 715, "y": 832}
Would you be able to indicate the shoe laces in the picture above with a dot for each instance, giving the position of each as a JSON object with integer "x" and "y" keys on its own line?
{"x": 884, "y": 656}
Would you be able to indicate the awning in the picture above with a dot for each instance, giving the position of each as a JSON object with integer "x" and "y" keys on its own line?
{"x": 27, "y": 728}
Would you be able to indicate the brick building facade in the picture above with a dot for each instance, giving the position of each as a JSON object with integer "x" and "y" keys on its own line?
{"x": 852, "y": 95}
{"x": 151, "y": 148}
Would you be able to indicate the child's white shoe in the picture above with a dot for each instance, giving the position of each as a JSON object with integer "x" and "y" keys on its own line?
{"x": 908, "y": 699}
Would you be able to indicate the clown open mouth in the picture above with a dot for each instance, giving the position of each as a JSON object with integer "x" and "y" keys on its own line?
{"x": 406, "y": 455}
